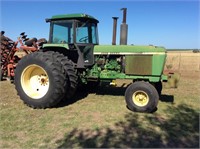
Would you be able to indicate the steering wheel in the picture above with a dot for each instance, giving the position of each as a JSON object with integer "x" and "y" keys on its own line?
{"x": 63, "y": 41}
{"x": 83, "y": 39}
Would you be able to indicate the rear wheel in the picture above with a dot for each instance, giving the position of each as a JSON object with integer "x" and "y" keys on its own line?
{"x": 141, "y": 97}
{"x": 1, "y": 75}
{"x": 70, "y": 72}
{"x": 72, "y": 78}
{"x": 40, "y": 79}
{"x": 35, "y": 81}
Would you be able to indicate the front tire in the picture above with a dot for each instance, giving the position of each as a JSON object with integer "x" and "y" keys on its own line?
{"x": 141, "y": 97}
{"x": 40, "y": 79}
{"x": 159, "y": 87}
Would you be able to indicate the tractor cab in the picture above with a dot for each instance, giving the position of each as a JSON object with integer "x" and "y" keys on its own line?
{"x": 79, "y": 33}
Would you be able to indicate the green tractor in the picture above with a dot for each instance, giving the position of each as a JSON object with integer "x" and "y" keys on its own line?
{"x": 72, "y": 56}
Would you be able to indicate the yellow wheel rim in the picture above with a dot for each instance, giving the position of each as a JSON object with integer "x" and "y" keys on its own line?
{"x": 35, "y": 81}
{"x": 140, "y": 98}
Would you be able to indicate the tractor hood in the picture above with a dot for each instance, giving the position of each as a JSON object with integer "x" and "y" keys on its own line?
{"x": 127, "y": 49}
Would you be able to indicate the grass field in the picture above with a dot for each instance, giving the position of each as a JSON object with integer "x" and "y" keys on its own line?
{"x": 101, "y": 119}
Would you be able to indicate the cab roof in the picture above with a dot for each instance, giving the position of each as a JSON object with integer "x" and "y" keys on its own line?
{"x": 78, "y": 16}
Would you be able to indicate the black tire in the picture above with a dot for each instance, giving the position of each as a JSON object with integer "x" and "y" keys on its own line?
{"x": 1, "y": 75}
{"x": 48, "y": 75}
{"x": 141, "y": 97}
{"x": 158, "y": 86}
{"x": 71, "y": 76}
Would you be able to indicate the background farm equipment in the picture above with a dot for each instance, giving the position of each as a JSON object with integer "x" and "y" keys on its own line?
{"x": 9, "y": 58}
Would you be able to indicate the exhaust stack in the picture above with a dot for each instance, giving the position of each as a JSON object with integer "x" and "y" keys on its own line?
{"x": 114, "y": 30}
{"x": 124, "y": 29}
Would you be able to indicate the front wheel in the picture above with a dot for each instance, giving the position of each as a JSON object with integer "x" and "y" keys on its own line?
{"x": 141, "y": 97}
{"x": 40, "y": 79}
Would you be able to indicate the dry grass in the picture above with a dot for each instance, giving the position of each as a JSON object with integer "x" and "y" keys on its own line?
{"x": 101, "y": 119}
{"x": 183, "y": 61}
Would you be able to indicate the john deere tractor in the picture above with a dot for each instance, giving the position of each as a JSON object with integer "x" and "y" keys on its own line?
{"x": 73, "y": 55}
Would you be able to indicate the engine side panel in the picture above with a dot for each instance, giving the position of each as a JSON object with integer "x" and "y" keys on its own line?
{"x": 138, "y": 64}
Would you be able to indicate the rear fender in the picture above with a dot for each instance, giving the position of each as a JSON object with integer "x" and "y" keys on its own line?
{"x": 47, "y": 46}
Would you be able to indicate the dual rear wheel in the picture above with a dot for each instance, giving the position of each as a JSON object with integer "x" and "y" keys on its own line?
{"x": 42, "y": 79}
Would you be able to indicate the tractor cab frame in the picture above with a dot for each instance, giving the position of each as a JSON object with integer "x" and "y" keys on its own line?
{"x": 79, "y": 33}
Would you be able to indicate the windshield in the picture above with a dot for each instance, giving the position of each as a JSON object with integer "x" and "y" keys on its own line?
{"x": 86, "y": 33}
{"x": 62, "y": 32}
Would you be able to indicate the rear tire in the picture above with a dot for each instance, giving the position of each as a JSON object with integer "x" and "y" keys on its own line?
{"x": 1, "y": 75}
{"x": 141, "y": 97}
{"x": 72, "y": 78}
{"x": 71, "y": 74}
{"x": 40, "y": 79}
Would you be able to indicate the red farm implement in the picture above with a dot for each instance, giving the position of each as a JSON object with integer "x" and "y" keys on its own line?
{"x": 8, "y": 49}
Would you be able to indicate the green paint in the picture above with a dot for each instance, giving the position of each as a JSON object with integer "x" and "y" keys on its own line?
{"x": 158, "y": 63}
{"x": 141, "y": 62}
{"x": 126, "y": 49}
{"x": 73, "y": 16}
{"x": 164, "y": 77}
{"x": 66, "y": 46}
{"x": 138, "y": 64}
{"x": 112, "y": 75}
